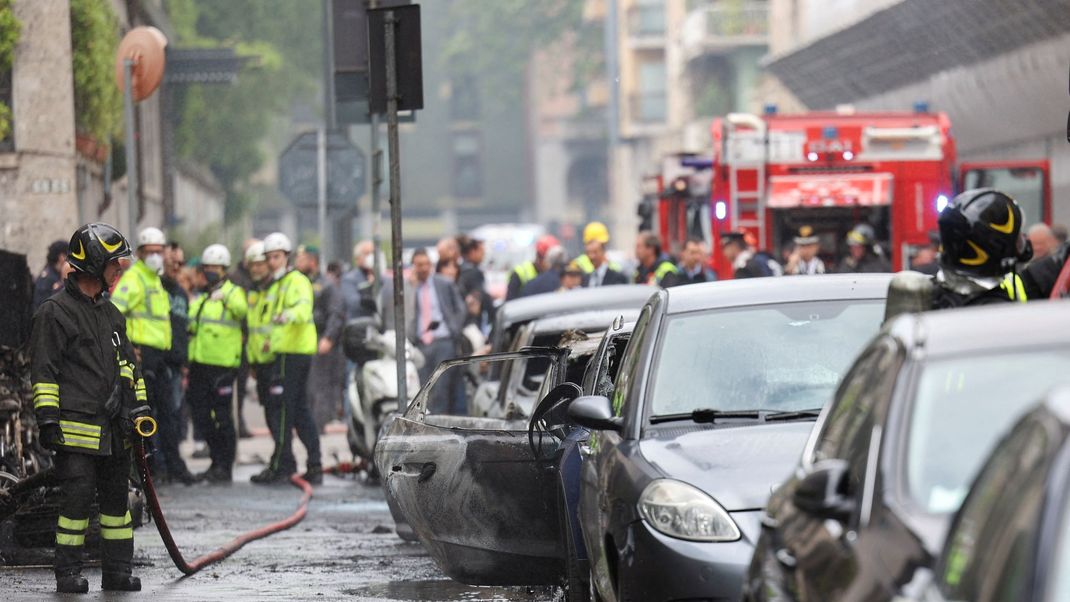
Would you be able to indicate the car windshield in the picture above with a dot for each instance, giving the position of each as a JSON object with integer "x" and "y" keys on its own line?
{"x": 781, "y": 357}
{"x": 961, "y": 407}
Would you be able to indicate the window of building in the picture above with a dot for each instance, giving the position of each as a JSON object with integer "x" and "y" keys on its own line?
{"x": 464, "y": 98}
{"x": 467, "y": 165}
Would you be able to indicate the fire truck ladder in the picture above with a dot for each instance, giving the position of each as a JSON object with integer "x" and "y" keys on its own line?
{"x": 745, "y": 138}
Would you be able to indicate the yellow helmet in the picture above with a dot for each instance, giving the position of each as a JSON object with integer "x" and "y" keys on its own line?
{"x": 596, "y": 231}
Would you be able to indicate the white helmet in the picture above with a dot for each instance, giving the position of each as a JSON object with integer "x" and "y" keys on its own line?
{"x": 277, "y": 241}
{"x": 216, "y": 254}
{"x": 151, "y": 236}
{"x": 255, "y": 253}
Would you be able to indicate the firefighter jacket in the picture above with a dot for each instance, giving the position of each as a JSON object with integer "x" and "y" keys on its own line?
{"x": 1011, "y": 289}
{"x": 141, "y": 297}
{"x": 292, "y": 329}
{"x": 663, "y": 272}
{"x": 82, "y": 369}
{"x": 258, "y": 324}
{"x": 215, "y": 326}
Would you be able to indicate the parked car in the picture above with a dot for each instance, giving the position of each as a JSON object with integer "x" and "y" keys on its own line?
{"x": 891, "y": 459}
{"x": 717, "y": 391}
{"x": 1011, "y": 538}
{"x": 488, "y": 496}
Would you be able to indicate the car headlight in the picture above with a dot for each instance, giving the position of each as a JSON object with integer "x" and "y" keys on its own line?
{"x": 685, "y": 512}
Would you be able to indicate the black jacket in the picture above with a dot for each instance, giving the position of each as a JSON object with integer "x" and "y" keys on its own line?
{"x": 82, "y": 369}
{"x": 178, "y": 355}
{"x": 871, "y": 263}
{"x": 546, "y": 282}
{"x": 46, "y": 285}
{"x": 1039, "y": 276}
{"x": 328, "y": 309}
{"x": 612, "y": 277}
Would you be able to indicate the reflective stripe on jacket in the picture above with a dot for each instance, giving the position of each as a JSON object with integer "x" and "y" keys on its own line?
{"x": 292, "y": 329}
{"x": 258, "y": 323}
{"x": 1014, "y": 287}
{"x": 526, "y": 272}
{"x": 215, "y": 326}
{"x": 140, "y": 297}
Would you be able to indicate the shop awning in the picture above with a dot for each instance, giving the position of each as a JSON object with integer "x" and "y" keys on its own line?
{"x": 830, "y": 190}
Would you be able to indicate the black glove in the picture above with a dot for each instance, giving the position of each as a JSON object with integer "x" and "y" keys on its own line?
{"x": 51, "y": 436}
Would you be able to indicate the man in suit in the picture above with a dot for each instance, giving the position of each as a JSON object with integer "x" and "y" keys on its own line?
{"x": 602, "y": 272}
{"x": 434, "y": 318}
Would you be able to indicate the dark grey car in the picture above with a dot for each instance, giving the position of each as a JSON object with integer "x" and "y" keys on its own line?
{"x": 716, "y": 394}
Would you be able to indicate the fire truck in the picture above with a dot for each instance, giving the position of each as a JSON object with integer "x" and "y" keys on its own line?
{"x": 769, "y": 175}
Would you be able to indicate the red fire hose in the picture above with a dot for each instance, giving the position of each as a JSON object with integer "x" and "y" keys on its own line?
{"x": 189, "y": 568}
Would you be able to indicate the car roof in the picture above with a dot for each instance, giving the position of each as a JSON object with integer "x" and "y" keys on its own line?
{"x": 763, "y": 291}
{"x": 548, "y": 304}
{"x": 984, "y": 329}
{"x": 600, "y": 319}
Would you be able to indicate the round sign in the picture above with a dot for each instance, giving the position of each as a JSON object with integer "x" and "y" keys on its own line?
{"x": 145, "y": 46}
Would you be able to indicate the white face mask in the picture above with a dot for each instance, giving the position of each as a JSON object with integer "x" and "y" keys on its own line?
{"x": 155, "y": 262}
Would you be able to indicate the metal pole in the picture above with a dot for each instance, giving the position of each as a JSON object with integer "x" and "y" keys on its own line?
{"x": 328, "y": 66}
{"x": 395, "y": 204}
{"x": 131, "y": 151}
{"x": 377, "y": 204}
{"x": 321, "y": 191}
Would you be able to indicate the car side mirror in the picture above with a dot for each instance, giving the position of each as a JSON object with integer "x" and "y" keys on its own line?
{"x": 594, "y": 412}
{"x": 823, "y": 492}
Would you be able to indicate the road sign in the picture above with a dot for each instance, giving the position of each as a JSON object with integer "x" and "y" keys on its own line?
{"x": 346, "y": 171}
{"x": 407, "y": 58}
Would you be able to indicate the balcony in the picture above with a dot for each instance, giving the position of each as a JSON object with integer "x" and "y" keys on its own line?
{"x": 725, "y": 27}
{"x": 646, "y": 25}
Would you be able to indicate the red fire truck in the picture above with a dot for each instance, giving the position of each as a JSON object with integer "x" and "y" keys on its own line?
{"x": 769, "y": 175}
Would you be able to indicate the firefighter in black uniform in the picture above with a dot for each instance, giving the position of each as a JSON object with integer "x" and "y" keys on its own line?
{"x": 980, "y": 233}
{"x": 87, "y": 391}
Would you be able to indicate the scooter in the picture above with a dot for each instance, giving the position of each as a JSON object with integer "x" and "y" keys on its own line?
{"x": 373, "y": 394}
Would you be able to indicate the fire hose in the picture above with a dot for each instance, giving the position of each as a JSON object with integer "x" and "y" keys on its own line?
{"x": 146, "y": 427}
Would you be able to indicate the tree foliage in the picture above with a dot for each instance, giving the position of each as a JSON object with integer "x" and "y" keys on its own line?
{"x": 229, "y": 128}
{"x": 496, "y": 39}
{"x": 10, "y": 28}
{"x": 98, "y": 105}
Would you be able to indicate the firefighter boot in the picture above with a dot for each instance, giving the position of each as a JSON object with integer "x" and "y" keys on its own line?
{"x": 117, "y": 551}
{"x": 120, "y": 583}
{"x": 70, "y": 538}
{"x": 314, "y": 475}
{"x": 71, "y": 584}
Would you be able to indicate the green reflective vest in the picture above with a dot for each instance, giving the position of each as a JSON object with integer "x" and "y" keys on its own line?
{"x": 140, "y": 297}
{"x": 258, "y": 323}
{"x": 526, "y": 272}
{"x": 292, "y": 328}
{"x": 215, "y": 321}
{"x": 1014, "y": 287}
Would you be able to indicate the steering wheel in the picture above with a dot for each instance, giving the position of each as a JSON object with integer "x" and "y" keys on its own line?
{"x": 548, "y": 415}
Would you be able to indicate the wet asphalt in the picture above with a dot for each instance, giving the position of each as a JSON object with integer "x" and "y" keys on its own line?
{"x": 345, "y": 548}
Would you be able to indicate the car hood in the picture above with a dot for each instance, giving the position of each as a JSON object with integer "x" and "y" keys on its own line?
{"x": 738, "y": 466}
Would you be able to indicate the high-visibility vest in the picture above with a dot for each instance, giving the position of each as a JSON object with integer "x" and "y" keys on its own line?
{"x": 215, "y": 326}
{"x": 140, "y": 297}
{"x": 258, "y": 324}
{"x": 292, "y": 328}
{"x": 664, "y": 269}
{"x": 526, "y": 272}
{"x": 584, "y": 262}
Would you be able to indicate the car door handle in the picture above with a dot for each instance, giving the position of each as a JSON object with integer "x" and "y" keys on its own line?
{"x": 422, "y": 471}
{"x": 786, "y": 558}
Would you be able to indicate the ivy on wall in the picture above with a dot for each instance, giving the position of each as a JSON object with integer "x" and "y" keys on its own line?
{"x": 10, "y": 28}
{"x": 98, "y": 105}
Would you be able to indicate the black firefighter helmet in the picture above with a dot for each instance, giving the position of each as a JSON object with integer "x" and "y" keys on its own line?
{"x": 980, "y": 231}
{"x": 93, "y": 246}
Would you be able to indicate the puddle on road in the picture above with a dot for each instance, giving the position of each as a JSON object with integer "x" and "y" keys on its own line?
{"x": 444, "y": 589}
{"x": 361, "y": 506}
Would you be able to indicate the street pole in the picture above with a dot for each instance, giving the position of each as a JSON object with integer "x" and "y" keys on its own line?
{"x": 377, "y": 208}
{"x": 401, "y": 351}
{"x": 131, "y": 151}
{"x": 321, "y": 190}
{"x": 329, "y": 118}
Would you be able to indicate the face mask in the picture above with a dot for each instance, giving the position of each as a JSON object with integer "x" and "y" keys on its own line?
{"x": 369, "y": 262}
{"x": 155, "y": 262}
{"x": 213, "y": 278}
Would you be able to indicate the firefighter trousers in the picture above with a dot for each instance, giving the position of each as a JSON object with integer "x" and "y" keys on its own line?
{"x": 210, "y": 395}
{"x": 288, "y": 407}
{"x": 82, "y": 478}
{"x": 159, "y": 389}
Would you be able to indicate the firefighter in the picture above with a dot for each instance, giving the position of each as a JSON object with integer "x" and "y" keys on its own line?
{"x": 87, "y": 391}
{"x": 142, "y": 298}
{"x": 980, "y": 231}
{"x": 215, "y": 353}
{"x": 746, "y": 263}
{"x": 293, "y": 342}
{"x": 528, "y": 270}
{"x": 864, "y": 255}
{"x": 654, "y": 267}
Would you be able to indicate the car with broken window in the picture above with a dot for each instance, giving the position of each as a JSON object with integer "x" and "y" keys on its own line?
{"x": 715, "y": 397}
{"x": 490, "y": 497}
{"x": 892, "y": 457}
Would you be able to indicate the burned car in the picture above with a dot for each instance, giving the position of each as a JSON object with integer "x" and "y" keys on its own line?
{"x": 489, "y": 497}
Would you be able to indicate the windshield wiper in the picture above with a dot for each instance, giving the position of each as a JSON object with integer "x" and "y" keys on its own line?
{"x": 705, "y": 415}
{"x": 794, "y": 415}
